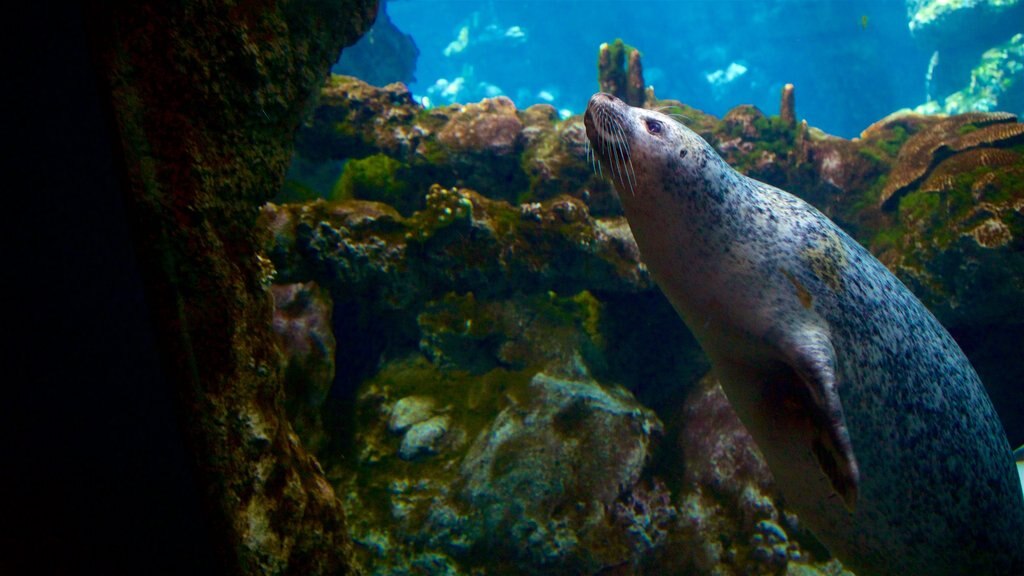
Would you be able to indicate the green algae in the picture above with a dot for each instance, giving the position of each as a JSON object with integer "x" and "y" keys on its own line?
{"x": 381, "y": 489}
{"x": 379, "y": 178}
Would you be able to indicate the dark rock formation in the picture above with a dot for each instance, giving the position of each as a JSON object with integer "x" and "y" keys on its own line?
{"x": 302, "y": 322}
{"x": 206, "y": 97}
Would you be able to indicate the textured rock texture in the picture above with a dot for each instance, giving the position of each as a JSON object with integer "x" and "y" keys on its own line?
{"x": 206, "y": 97}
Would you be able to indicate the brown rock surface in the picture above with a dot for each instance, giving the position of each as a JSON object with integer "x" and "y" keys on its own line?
{"x": 206, "y": 97}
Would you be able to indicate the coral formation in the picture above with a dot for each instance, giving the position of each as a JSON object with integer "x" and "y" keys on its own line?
{"x": 940, "y": 22}
{"x": 957, "y": 80}
{"x": 787, "y": 106}
{"x": 955, "y": 133}
{"x": 615, "y": 77}
{"x": 846, "y": 179}
{"x": 490, "y": 146}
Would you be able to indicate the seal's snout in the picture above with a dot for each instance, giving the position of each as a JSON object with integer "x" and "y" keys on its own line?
{"x": 601, "y": 105}
{"x": 601, "y": 97}
{"x": 607, "y": 129}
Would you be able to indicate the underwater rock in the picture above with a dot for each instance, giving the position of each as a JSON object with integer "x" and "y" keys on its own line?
{"x": 956, "y": 81}
{"x": 787, "y": 106}
{"x": 489, "y": 146}
{"x": 960, "y": 233}
{"x": 460, "y": 241}
{"x": 728, "y": 489}
{"x": 616, "y": 77}
{"x": 545, "y": 474}
{"x": 545, "y": 330}
{"x": 302, "y": 322}
{"x": 205, "y": 98}
{"x": 424, "y": 438}
{"x": 937, "y": 23}
{"x": 464, "y": 299}
{"x": 409, "y": 411}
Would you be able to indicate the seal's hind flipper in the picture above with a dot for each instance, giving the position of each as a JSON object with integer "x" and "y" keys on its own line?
{"x": 813, "y": 362}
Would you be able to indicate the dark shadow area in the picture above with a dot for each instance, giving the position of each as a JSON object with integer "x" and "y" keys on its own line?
{"x": 96, "y": 476}
{"x": 995, "y": 352}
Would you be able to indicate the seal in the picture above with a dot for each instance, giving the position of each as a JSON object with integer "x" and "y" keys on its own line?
{"x": 877, "y": 429}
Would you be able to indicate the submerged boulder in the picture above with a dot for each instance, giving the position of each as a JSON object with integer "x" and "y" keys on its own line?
{"x": 544, "y": 477}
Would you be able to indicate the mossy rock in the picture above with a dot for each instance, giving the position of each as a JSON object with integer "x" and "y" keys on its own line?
{"x": 379, "y": 178}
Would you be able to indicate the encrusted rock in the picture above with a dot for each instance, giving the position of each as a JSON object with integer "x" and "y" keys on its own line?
{"x": 409, "y": 411}
{"x": 302, "y": 322}
{"x": 547, "y": 470}
{"x": 491, "y": 126}
{"x": 424, "y": 438}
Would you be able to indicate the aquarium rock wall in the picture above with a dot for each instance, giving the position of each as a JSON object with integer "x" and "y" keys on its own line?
{"x": 512, "y": 393}
{"x": 205, "y": 98}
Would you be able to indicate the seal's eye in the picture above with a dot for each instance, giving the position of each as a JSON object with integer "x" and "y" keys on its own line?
{"x": 654, "y": 126}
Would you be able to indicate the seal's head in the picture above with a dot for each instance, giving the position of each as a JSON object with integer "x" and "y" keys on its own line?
{"x": 645, "y": 151}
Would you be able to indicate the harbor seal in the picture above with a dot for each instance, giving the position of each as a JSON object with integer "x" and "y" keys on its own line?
{"x": 877, "y": 429}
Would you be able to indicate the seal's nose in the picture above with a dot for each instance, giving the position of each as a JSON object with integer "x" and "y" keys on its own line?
{"x": 601, "y": 97}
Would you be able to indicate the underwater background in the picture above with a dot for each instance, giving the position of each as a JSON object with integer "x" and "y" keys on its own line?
{"x": 278, "y": 324}
{"x": 853, "y": 61}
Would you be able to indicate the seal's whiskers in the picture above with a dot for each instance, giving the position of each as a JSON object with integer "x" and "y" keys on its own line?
{"x": 630, "y": 172}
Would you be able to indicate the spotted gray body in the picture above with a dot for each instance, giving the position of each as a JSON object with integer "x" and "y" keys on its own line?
{"x": 876, "y": 427}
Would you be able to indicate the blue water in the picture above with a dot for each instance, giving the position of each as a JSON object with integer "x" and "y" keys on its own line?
{"x": 851, "y": 62}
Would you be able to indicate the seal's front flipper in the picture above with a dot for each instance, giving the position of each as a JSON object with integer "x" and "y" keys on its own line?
{"x": 813, "y": 362}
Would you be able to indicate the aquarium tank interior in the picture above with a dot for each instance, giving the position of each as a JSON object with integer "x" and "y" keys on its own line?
{"x": 453, "y": 287}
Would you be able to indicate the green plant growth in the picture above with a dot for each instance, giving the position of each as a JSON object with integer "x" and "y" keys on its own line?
{"x": 379, "y": 178}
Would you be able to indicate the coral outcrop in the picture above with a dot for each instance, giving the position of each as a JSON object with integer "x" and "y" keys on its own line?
{"x": 491, "y": 146}
{"x": 302, "y": 323}
{"x": 942, "y": 137}
{"x": 620, "y": 73}
{"x": 941, "y": 22}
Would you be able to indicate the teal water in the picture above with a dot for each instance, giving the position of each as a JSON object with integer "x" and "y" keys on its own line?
{"x": 851, "y": 62}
